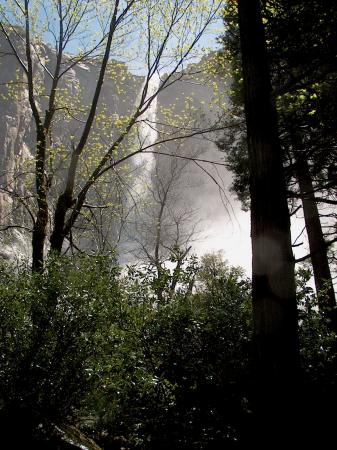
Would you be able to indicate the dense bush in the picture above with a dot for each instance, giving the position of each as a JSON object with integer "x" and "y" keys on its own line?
{"x": 317, "y": 339}
{"x": 51, "y": 327}
{"x": 88, "y": 343}
{"x": 180, "y": 377}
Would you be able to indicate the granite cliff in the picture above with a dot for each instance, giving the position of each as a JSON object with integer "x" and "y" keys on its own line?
{"x": 194, "y": 96}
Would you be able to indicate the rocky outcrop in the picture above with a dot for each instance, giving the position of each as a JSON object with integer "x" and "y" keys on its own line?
{"x": 70, "y": 437}
{"x": 17, "y": 133}
{"x": 22, "y": 430}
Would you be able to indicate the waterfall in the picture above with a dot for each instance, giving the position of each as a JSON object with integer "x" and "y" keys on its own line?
{"x": 144, "y": 163}
{"x": 147, "y": 132}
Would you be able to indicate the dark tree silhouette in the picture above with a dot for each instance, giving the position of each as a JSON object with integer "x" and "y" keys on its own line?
{"x": 273, "y": 282}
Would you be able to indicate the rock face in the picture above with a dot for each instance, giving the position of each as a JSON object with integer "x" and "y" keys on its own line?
{"x": 26, "y": 429}
{"x": 194, "y": 96}
{"x": 15, "y": 122}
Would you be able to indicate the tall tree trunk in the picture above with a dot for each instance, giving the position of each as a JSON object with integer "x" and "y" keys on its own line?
{"x": 317, "y": 246}
{"x": 273, "y": 280}
{"x": 274, "y": 300}
{"x": 41, "y": 220}
{"x": 57, "y": 237}
{"x": 42, "y": 216}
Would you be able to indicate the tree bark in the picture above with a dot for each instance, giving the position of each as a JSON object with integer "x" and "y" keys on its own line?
{"x": 274, "y": 300}
{"x": 317, "y": 245}
{"x": 57, "y": 237}
{"x": 41, "y": 221}
{"x": 42, "y": 215}
{"x": 273, "y": 280}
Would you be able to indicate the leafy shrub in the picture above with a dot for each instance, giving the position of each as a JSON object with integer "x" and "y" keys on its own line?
{"x": 88, "y": 343}
{"x": 317, "y": 338}
{"x": 51, "y": 327}
{"x": 179, "y": 376}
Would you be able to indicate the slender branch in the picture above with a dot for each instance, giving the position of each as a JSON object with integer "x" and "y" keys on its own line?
{"x": 309, "y": 255}
{"x": 21, "y": 227}
{"x": 173, "y": 155}
{"x": 15, "y": 52}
